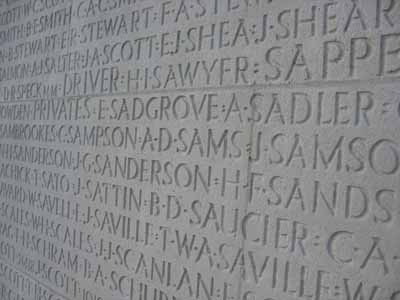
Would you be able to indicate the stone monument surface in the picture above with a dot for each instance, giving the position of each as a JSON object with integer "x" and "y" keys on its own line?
{"x": 200, "y": 149}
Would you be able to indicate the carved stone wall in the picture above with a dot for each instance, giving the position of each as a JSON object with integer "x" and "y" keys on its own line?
{"x": 200, "y": 149}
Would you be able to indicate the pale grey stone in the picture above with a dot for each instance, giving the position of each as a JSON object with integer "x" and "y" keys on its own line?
{"x": 199, "y": 149}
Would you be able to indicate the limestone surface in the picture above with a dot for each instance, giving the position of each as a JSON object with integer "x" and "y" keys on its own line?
{"x": 200, "y": 149}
